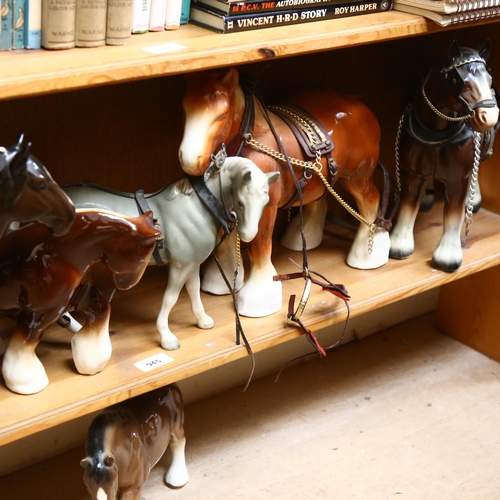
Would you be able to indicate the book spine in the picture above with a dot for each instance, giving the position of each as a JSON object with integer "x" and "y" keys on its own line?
{"x": 140, "y": 19}
{"x": 18, "y": 24}
{"x": 186, "y": 6}
{"x": 58, "y": 24}
{"x": 119, "y": 22}
{"x": 173, "y": 14}
{"x": 252, "y": 7}
{"x": 245, "y": 22}
{"x": 157, "y": 15}
{"x": 6, "y": 34}
{"x": 90, "y": 23}
{"x": 33, "y": 24}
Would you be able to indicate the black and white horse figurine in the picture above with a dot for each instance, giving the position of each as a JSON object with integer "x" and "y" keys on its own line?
{"x": 448, "y": 129}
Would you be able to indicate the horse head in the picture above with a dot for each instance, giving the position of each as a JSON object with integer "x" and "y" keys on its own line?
{"x": 100, "y": 476}
{"x": 466, "y": 80}
{"x": 128, "y": 254}
{"x": 212, "y": 115}
{"x": 250, "y": 192}
{"x": 30, "y": 192}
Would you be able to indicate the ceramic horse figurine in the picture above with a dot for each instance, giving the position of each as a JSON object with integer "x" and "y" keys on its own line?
{"x": 190, "y": 230}
{"x": 28, "y": 192}
{"x": 445, "y": 133}
{"x": 127, "y": 440}
{"x": 43, "y": 276}
{"x": 218, "y": 110}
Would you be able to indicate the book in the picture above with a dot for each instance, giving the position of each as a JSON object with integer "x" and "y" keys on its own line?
{"x": 186, "y": 6}
{"x": 468, "y": 16}
{"x": 157, "y": 15}
{"x": 222, "y": 23}
{"x": 90, "y": 23}
{"x": 58, "y": 24}
{"x": 140, "y": 18}
{"x": 6, "y": 20}
{"x": 18, "y": 24}
{"x": 33, "y": 24}
{"x": 119, "y": 22}
{"x": 173, "y": 14}
{"x": 253, "y": 6}
{"x": 447, "y": 6}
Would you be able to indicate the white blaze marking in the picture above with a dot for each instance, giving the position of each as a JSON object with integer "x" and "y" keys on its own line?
{"x": 101, "y": 494}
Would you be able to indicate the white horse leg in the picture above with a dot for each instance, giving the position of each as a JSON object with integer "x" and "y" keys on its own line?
{"x": 359, "y": 256}
{"x": 212, "y": 281}
{"x": 177, "y": 277}
{"x": 177, "y": 474}
{"x": 314, "y": 215}
{"x": 448, "y": 254}
{"x": 193, "y": 288}
{"x": 22, "y": 371}
{"x": 91, "y": 346}
{"x": 366, "y": 195}
{"x": 402, "y": 240}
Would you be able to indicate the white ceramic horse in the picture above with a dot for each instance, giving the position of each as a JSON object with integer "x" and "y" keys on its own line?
{"x": 190, "y": 230}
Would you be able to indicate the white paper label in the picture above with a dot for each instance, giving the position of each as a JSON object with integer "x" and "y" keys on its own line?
{"x": 153, "y": 362}
{"x": 166, "y": 47}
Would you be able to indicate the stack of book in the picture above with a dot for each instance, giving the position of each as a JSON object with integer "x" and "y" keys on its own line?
{"x": 63, "y": 24}
{"x": 447, "y": 12}
{"x": 230, "y": 16}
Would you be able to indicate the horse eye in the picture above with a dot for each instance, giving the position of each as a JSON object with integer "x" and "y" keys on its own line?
{"x": 240, "y": 205}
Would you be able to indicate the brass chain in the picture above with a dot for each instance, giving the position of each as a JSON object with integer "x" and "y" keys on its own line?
{"x": 317, "y": 167}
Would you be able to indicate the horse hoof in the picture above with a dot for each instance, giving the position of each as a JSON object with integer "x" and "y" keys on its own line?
{"x": 447, "y": 267}
{"x": 172, "y": 345}
{"x": 399, "y": 254}
{"x": 206, "y": 323}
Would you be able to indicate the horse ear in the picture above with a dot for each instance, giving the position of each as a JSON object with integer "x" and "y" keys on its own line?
{"x": 17, "y": 144}
{"x": 85, "y": 463}
{"x": 484, "y": 49}
{"x": 272, "y": 177}
{"x": 231, "y": 79}
{"x": 148, "y": 230}
{"x": 247, "y": 177}
{"x": 109, "y": 460}
{"x": 18, "y": 163}
{"x": 454, "y": 51}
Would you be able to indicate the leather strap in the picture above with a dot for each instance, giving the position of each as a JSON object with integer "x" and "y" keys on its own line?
{"x": 213, "y": 205}
{"x": 143, "y": 207}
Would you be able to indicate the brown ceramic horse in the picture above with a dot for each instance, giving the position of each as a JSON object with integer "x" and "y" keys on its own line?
{"x": 42, "y": 276}
{"x": 446, "y": 132}
{"x": 28, "y": 192}
{"x": 217, "y": 109}
{"x": 126, "y": 441}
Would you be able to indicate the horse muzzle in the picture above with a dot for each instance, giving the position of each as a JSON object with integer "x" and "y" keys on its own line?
{"x": 485, "y": 118}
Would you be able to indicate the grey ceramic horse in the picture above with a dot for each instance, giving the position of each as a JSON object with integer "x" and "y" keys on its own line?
{"x": 190, "y": 230}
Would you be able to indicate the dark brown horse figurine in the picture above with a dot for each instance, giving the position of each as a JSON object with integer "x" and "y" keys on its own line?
{"x": 42, "y": 276}
{"x": 444, "y": 135}
{"x": 126, "y": 441}
{"x": 28, "y": 192}
{"x": 220, "y": 110}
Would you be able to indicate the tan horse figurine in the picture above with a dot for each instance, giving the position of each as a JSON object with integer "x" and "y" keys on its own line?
{"x": 216, "y": 108}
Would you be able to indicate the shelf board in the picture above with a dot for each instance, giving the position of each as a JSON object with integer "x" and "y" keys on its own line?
{"x": 27, "y": 72}
{"x": 134, "y": 336}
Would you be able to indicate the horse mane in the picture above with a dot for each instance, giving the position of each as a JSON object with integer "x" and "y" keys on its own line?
{"x": 177, "y": 187}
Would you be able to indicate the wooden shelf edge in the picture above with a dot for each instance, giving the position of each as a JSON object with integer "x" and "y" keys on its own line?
{"x": 70, "y": 395}
{"x": 27, "y": 73}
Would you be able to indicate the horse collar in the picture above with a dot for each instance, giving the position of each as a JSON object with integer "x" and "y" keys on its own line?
{"x": 459, "y": 132}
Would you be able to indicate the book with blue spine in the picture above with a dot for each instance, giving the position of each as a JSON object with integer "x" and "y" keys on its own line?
{"x": 6, "y": 20}
{"x": 18, "y": 20}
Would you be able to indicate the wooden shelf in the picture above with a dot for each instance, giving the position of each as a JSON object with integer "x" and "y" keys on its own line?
{"x": 134, "y": 336}
{"x": 192, "y": 48}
